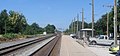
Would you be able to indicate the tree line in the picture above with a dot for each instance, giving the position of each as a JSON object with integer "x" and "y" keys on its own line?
{"x": 100, "y": 25}
{"x": 15, "y": 22}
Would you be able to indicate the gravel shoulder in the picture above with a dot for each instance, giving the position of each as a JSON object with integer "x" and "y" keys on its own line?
{"x": 6, "y": 44}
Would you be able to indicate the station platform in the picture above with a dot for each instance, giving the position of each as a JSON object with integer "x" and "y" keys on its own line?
{"x": 69, "y": 47}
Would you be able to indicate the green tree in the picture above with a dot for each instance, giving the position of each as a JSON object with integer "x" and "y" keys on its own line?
{"x": 118, "y": 11}
{"x": 50, "y": 28}
{"x": 29, "y": 30}
{"x": 73, "y": 26}
{"x": 17, "y": 22}
{"x": 3, "y": 21}
{"x": 33, "y": 29}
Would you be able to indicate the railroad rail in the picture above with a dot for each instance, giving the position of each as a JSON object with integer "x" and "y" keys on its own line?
{"x": 39, "y": 47}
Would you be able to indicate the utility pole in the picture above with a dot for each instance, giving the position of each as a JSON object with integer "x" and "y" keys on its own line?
{"x": 115, "y": 22}
{"x": 77, "y": 22}
{"x": 78, "y": 32}
{"x": 92, "y": 18}
{"x": 84, "y": 35}
{"x": 82, "y": 18}
{"x": 74, "y": 25}
{"x": 107, "y": 24}
{"x": 107, "y": 19}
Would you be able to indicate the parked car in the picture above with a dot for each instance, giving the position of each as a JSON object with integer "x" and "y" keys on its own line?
{"x": 73, "y": 35}
{"x": 102, "y": 40}
{"x": 114, "y": 49}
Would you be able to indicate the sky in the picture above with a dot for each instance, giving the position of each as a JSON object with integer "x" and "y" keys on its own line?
{"x": 57, "y": 12}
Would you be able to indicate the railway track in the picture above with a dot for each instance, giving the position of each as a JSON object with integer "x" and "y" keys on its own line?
{"x": 32, "y": 48}
{"x": 51, "y": 49}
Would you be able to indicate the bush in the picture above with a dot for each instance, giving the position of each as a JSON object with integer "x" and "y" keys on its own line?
{"x": 10, "y": 35}
{"x": 20, "y": 36}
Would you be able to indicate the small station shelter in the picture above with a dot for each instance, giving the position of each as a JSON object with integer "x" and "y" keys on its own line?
{"x": 86, "y": 33}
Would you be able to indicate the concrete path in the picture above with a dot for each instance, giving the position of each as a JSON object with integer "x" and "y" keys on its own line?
{"x": 69, "y": 47}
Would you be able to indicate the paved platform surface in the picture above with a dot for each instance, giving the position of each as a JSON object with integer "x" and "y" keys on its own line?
{"x": 69, "y": 47}
{"x": 101, "y": 50}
